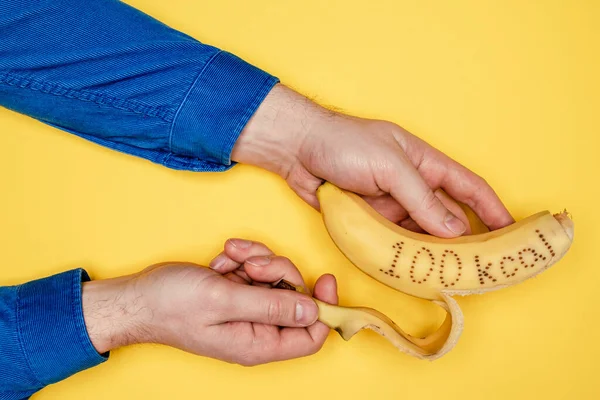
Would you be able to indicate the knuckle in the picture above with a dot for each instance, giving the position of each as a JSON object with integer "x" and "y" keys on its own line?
{"x": 315, "y": 347}
{"x": 275, "y": 311}
{"x": 214, "y": 296}
{"x": 247, "y": 360}
{"x": 482, "y": 188}
{"x": 428, "y": 202}
{"x": 270, "y": 351}
{"x": 480, "y": 181}
{"x": 284, "y": 261}
{"x": 215, "y": 302}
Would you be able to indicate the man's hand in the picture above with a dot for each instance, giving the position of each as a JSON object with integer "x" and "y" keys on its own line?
{"x": 396, "y": 172}
{"x": 230, "y": 312}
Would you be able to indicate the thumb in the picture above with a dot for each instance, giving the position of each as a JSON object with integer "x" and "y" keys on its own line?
{"x": 272, "y": 307}
{"x": 424, "y": 207}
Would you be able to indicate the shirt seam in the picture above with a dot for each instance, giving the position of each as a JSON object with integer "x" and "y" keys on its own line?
{"x": 187, "y": 94}
{"x": 21, "y": 342}
{"x": 11, "y": 79}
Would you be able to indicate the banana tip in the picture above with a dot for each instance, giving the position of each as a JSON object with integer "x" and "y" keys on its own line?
{"x": 566, "y": 222}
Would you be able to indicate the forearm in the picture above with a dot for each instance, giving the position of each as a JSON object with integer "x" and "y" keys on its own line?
{"x": 275, "y": 134}
{"x": 114, "y": 314}
{"x": 54, "y": 327}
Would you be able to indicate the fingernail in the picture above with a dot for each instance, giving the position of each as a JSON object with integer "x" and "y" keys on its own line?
{"x": 306, "y": 312}
{"x": 259, "y": 261}
{"x": 455, "y": 224}
{"x": 240, "y": 243}
{"x": 218, "y": 262}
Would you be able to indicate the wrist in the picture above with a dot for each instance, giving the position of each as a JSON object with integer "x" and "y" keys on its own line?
{"x": 273, "y": 137}
{"x": 113, "y": 314}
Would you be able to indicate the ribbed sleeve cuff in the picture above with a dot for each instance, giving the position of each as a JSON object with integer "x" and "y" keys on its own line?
{"x": 221, "y": 101}
{"x": 52, "y": 329}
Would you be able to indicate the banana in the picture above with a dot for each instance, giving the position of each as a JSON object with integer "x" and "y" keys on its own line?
{"x": 432, "y": 268}
{"x": 425, "y": 266}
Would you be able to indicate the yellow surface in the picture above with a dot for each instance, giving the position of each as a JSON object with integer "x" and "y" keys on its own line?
{"x": 509, "y": 88}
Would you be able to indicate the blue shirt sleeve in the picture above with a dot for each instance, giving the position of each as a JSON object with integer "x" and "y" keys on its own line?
{"x": 43, "y": 338}
{"x": 113, "y": 75}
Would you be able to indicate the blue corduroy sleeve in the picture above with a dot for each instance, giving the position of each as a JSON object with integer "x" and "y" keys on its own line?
{"x": 43, "y": 338}
{"x": 111, "y": 74}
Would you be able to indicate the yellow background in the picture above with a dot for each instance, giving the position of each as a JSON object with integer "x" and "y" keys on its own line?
{"x": 508, "y": 88}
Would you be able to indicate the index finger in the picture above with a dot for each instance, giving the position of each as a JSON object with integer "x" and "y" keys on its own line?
{"x": 471, "y": 189}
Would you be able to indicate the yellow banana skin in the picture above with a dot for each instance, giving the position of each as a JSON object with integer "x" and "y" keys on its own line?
{"x": 425, "y": 266}
{"x": 348, "y": 321}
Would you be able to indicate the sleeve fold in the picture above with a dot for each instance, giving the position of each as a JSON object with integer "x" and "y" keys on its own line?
{"x": 43, "y": 337}
{"x": 113, "y": 75}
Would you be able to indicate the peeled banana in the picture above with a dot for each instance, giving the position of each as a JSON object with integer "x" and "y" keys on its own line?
{"x": 433, "y": 268}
